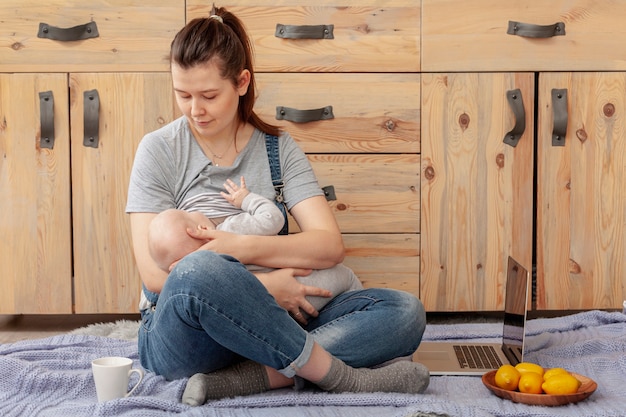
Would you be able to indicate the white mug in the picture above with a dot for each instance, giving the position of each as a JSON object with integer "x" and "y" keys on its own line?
{"x": 111, "y": 375}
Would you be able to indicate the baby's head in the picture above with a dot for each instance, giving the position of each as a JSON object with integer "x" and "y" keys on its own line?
{"x": 168, "y": 240}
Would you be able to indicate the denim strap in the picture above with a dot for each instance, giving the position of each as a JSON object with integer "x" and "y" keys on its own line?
{"x": 271, "y": 144}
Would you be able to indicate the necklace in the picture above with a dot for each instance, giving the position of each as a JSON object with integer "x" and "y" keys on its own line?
{"x": 216, "y": 156}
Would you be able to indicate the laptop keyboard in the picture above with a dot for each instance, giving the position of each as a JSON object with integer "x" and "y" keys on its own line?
{"x": 477, "y": 357}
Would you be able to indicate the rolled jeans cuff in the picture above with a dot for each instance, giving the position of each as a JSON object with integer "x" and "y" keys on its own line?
{"x": 293, "y": 368}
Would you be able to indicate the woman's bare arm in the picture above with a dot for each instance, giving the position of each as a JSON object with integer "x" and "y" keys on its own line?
{"x": 318, "y": 246}
{"x": 151, "y": 275}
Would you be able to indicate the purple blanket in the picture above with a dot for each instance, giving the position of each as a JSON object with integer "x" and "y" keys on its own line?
{"x": 52, "y": 377}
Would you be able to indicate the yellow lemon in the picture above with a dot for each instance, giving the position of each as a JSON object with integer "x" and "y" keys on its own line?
{"x": 554, "y": 371}
{"x": 561, "y": 384}
{"x": 530, "y": 383}
{"x": 507, "y": 377}
{"x": 524, "y": 367}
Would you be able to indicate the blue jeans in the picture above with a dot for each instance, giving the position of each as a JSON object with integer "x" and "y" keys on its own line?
{"x": 212, "y": 312}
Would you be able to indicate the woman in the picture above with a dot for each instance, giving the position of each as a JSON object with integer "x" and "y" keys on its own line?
{"x": 233, "y": 332}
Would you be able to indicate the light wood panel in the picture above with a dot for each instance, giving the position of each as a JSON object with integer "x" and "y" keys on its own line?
{"x": 133, "y": 36}
{"x": 385, "y": 260}
{"x": 131, "y": 104}
{"x": 462, "y": 35}
{"x": 581, "y": 218}
{"x": 373, "y": 113}
{"x": 369, "y": 36}
{"x": 476, "y": 191}
{"x": 375, "y": 193}
{"x": 36, "y": 247}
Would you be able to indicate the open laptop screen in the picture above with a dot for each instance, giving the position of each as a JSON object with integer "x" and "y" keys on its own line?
{"x": 515, "y": 311}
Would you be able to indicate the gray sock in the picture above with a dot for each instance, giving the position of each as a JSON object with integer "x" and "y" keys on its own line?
{"x": 244, "y": 378}
{"x": 404, "y": 376}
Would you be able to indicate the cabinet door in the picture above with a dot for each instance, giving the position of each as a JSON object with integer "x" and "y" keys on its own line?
{"x": 476, "y": 191}
{"x": 35, "y": 248}
{"x": 131, "y": 104}
{"x": 581, "y": 230}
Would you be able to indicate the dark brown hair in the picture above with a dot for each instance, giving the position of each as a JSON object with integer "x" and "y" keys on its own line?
{"x": 223, "y": 39}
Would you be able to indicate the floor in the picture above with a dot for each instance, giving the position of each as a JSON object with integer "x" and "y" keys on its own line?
{"x": 14, "y": 328}
{"x": 24, "y": 327}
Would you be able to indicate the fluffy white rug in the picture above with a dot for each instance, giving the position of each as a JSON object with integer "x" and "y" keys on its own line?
{"x": 121, "y": 329}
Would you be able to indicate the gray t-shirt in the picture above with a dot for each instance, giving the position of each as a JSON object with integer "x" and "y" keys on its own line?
{"x": 171, "y": 171}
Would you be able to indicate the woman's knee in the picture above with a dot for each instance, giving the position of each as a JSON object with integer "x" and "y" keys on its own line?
{"x": 410, "y": 311}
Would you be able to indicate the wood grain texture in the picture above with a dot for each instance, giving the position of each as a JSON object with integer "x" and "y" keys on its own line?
{"x": 476, "y": 191}
{"x": 384, "y": 260}
{"x": 373, "y": 113}
{"x": 134, "y": 36}
{"x": 371, "y": 36}
{"x": 36, "y": 247}
{"x": 375, "y": 193}
{"x": 581, "y": 235}
{"x": 105, "y": 275}
{"x": 472, "y": 36}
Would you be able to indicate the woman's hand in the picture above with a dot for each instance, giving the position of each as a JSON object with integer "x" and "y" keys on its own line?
{"x": 218, "y": 241}
{"x": 289, "y": 293}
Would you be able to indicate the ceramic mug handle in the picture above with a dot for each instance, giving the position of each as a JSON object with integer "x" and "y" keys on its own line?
{"x": 139, "y": 374}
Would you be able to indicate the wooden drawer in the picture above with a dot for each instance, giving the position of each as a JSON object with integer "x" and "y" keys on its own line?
{"x": 371, "y": 112}
{"x": 385, "y": 260}
{"x": 131, "y": 37}
{"x": 377, "y": 207}
{"x": 373, "y": 36}
{"x": 374, "y": 193}
{"x": 472, "y": 35}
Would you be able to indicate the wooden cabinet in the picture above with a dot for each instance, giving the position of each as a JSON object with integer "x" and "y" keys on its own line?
{"x": 35, "y": 202}
{"x": 367, "y": 144}
{"x": 131, "y": 104}
{"x": 63, "y": 207}
{"x": 477, "y": 190}
{"x": 415, "y": 100}
{"x": 576, "y": 210}
{"x": 66, "y": 239}
{"x": 581, "y": 201}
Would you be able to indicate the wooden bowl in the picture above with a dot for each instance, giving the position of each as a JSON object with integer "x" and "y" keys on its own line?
{"x": 587, "y": 388}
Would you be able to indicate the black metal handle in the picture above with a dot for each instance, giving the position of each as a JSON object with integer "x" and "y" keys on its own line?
{"x": 304, "y": 31}
{"x": 76, "y": 33}
{"x": 559, "y": 109}
{"x": 304, "y": 116}
{"x": 514, "y": 97}
{"x": 91, "y": 118}
{"x": 530, "y": 30}
{"x": 329, "y": 192}
{"x": 46, "y": 119}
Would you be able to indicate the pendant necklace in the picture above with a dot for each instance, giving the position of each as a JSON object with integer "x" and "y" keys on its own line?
{"x": 216, "y": 156}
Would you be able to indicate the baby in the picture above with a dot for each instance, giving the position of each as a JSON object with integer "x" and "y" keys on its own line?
{"x": 169, "y": 241}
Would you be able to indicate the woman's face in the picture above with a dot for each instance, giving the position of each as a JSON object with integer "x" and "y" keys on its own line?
{"x": 208, "y": 101}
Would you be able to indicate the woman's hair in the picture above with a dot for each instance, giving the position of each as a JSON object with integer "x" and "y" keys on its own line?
{"x": 223, "y": 39}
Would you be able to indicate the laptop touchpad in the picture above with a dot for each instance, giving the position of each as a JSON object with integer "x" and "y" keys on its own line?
{"x": 433, "y": 355}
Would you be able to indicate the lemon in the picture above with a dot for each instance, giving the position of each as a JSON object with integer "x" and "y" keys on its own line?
{"x": 530, "y": 383}
{"x": 507, "y": 377}
{"x": 561, "y": 384}
{"x": 554, "y": 371}
{"x": 524, "y": 367}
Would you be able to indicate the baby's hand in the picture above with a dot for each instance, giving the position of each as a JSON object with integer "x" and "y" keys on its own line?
{"x": 235, "y": 193}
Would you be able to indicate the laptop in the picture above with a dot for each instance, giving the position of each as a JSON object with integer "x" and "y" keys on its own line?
{"x": 454, "y": 358}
